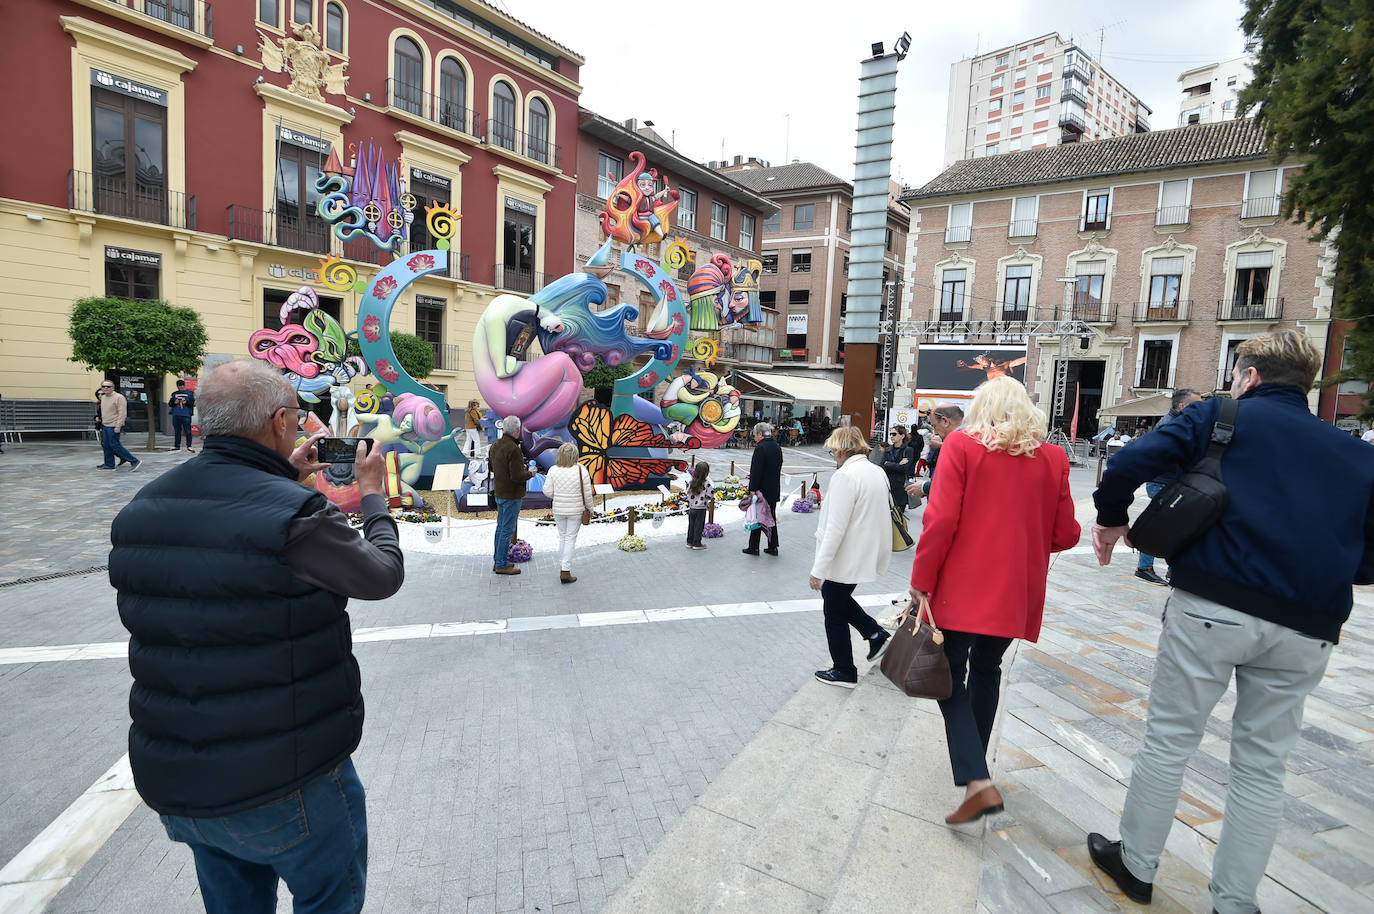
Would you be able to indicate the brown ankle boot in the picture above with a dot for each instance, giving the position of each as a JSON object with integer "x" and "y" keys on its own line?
{"x": 567, "y": 577}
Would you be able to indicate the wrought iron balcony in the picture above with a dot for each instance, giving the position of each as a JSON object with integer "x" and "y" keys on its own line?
{"x": 1076, "y": 67}
{"x": 957, "y": 234}
{"x": 531, "y": 146}
{"x": 283, "y": 230}
{"x": 445, "y": 356}
{"x": 1089, "y": 312}
{"x": 1012, "y": 313}
{"x": 1249, "y": 309}
{"x": 1260, "y": 207}
{"x": 1022, "y": 228}
{"x": 1072, "y": 122}
{"x": 1164, "y": 310}
{"x": 192, "y": 15}
{"x": 517, "y": 279}
{"x": 115, "y": 195}
{"x": 1173, "y": 215}
{"x": 1073, "y": 94}
{"x": 446, "y": 112}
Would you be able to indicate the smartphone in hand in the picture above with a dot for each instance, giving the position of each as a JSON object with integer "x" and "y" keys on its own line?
{"x": 340, "y": 450}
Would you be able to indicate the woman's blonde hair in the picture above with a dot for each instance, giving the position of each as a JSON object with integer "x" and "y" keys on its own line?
{"x": 847, "y": 441}
{"x": 1003, "y": 418}
{"x": 567, "y": 454}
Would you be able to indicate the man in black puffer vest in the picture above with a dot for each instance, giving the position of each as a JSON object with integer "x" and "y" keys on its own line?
{"x": 233, "y": 582}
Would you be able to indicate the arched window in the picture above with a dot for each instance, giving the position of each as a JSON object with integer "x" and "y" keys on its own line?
{"x": 408, "y": 80}
{"x": 503, "y": 116}
{"x": 538, "y": 131}
{"x": 453, "y": 95}
{"x": 334, "y": 27}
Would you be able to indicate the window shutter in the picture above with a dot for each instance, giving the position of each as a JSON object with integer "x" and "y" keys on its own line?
{"x": 1166, "y": 266}
{"x": 1254, "y": 261}
{"x": 1091, "y": 268}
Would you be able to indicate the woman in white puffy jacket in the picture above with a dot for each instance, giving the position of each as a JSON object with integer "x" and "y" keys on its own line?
{"x": 570, "y": 486}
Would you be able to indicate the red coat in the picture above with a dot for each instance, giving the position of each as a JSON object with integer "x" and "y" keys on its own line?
{"x": 989, "y": 528}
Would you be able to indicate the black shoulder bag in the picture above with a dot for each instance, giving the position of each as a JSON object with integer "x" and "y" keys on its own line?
{"x": 1187, "y": 507}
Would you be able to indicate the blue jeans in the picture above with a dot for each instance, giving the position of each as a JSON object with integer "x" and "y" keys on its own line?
{"x": 975, "y": 666}
{"x": 1146, "y": 562}
{"x": 314, "y": 839}
{"x": 109, "y": 443}
{"x": 181, "y": 425}
{"x": 507, "y": 514}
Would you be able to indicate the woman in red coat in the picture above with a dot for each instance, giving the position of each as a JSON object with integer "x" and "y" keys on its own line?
{"x": 998, "y": 507}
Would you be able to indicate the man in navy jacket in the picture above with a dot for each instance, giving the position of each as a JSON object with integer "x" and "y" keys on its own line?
{"x": 1261, "y": 596}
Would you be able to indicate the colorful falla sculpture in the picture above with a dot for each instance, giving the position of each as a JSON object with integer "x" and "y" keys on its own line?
{"x": 530, "y": 353}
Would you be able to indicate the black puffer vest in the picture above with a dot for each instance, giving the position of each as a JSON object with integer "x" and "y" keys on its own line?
{"x": 245, "y": 685}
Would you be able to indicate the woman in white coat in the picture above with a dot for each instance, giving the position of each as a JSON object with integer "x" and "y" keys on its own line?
{"x": 570, "y": 486}
{"x": 853, "y": 546}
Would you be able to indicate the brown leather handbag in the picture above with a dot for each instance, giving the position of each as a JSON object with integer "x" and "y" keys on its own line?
{"x": 915, "y": 661}
{"x": 581, "y": 487}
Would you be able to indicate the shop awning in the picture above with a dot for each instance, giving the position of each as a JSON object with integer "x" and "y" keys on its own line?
{"x": 1153, "y": 405}
{"x": 788, "y": 388}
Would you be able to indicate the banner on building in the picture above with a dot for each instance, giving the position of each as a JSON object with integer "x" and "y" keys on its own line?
{"x": 796, "y": 323}
{"x": 956, "y": 369}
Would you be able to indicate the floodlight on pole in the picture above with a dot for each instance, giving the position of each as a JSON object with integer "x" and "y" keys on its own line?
{"x": 877, "y": 49}
{"x": 902, "y": 45}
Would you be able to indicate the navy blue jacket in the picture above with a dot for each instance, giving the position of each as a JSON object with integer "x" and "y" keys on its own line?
{"x": 1296, "y": 533}
{"x": 245, "y": 685}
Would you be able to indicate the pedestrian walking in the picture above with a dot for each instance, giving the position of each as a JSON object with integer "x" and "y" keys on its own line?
{"x": 898, "y": 463}
{"x": 1260, "y": 597}
{"x": 183, "y": 402}
{"x": 699, "y": 495}
{"x": 233, "y": 580}
{"x": 853, "y": 547}
{"x": 999, "y": 507}
{"x": 114, "y": 409}
{"x": 765, "y": 477}
{"x": 570, "y": 486}
{"x": 944, "y": 420}
{"x": 1181, "y": 400}
{"x": 472, "y": 429}
{"x": 509, "y": 473}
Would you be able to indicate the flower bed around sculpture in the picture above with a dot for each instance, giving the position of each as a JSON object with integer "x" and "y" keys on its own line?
{"x": 801, "y": 506}
{"x": 713, "y": 531}
{"x": 633, "y": 543}
{"x": 520, "y": 551}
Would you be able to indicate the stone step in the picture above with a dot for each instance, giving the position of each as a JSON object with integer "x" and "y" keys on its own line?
{"x": 836, "y": 805}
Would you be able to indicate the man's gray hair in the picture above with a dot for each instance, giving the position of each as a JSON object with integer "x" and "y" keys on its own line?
{"x": 237, "y": 398}
{"x": 950, "y": 411}
{"x": 764, "y": 429}
{"x": 511, "y": 426}
{"x": 1183, "y": 395}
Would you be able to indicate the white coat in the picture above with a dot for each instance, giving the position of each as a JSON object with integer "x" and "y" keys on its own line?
{"x": 567, "y": 486}
{"x": 854, "y": 536}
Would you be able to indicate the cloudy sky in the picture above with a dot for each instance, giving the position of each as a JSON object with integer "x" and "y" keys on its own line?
{"x": 778, "y": 80}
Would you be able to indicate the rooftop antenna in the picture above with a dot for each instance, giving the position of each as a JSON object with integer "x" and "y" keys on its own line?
{"x": 1101, "y": 32}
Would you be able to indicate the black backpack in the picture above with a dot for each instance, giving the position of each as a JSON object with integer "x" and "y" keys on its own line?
{"x": 1187, "y": 507}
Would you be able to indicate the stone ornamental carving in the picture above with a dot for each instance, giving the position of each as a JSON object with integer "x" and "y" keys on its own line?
{"x": 304, "y": 58}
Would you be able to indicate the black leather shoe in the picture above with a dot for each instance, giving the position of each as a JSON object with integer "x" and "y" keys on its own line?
{"x": 1148, "y": 574}
{"x": 836, "y": 678}
{"x": 877, "y": 643}
{"x": 1107, "y": 855}
{"x": 750, "y": 551}
{"x": 771, "y": 551}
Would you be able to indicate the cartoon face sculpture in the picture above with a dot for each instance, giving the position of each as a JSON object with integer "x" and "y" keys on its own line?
{"x": 291, "y": 349}
{"x": 709, "y": 293}
{"x": 745, "y": 307}
{"x": 705, "y": 404}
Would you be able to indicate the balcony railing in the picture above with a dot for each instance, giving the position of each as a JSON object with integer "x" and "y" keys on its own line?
{"x": 956, "y": 234}
{"x": 1169, "y": 310}
{"x": 114, "y": 195}
{"x": 949, "y": 316}
{"x": 1070, "y": 121}
{"x": 1022, "y": 228}
{"x": 446, "y": 112}
{"x": 1259, "y": 207}
{"x": 1244, "y": 309}
{"x": 445, "y": 356}
{"x": 191, "y": 15}
{"x": 1142, "y": 123}
{"x": 1088, "y": 312}
{"x": 363, "y": 251}
{"x": 1173, "y": 215}
{"x": 1072, "y": 94}
{"x": 1013, "y": 314}
{"x": 516, "y": 279}
{"x": 283, "y": 230}
{"x": 1077, "y": 68}
{"x": 531, "y": 146}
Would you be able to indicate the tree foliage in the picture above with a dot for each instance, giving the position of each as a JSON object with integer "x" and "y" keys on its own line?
{"x": 1314, "y": 88}
{"x": 603, "y": 376}
{"x": 415, "y": 355}
{"x": 136, "y": 337}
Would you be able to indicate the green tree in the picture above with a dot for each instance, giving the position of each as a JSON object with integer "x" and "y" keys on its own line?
{"x": 603, "y": 376}
{"x": 149, "y": 338}
{"x": 1314, "y": 88}
{"x": 415, "y": 355}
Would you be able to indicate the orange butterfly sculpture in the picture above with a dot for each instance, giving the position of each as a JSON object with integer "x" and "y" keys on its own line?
{"x": 599, "y": 435}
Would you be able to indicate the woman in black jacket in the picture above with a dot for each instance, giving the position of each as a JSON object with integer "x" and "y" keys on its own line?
{"x": 899, "y": 464}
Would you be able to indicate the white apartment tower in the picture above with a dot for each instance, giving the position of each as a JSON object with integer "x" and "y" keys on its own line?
{"x": 1036, "y": 93}
{"x": 1210, "y": 92}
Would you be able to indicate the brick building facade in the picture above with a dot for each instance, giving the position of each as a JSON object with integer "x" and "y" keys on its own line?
{"x": 186, "y": 171}
{"x": 1167, "y": 246}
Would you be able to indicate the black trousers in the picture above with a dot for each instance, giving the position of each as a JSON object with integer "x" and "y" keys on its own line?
{"x": 841, "y": 610}
{"x": 975, "y": 665}
{"x": 756, "y": 534}
{"x": 696, "y": 522}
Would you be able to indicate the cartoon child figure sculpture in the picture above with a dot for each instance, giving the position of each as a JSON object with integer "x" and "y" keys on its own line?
{"x": 646, "y": 220}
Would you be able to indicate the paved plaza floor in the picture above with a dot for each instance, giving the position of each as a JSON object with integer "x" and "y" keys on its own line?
{"x": 651, "y": 739}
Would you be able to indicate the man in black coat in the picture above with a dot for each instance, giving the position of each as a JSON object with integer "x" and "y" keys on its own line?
{"x": 233, "y": 580}
{"x": 765, "y": 477}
